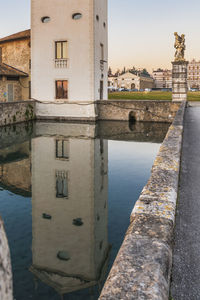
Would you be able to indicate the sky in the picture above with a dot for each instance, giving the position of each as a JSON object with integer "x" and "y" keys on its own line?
{"x": 141, "y": 32}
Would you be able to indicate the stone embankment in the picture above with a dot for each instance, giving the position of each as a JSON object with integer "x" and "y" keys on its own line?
{"x": 16, "y": 112}
{"x": 142, "y": 269}
{"x": 108, "y": 110}
{"x": 140, "y": 110}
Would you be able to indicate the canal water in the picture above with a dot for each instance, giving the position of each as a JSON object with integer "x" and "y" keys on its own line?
{"x": 66, "y": 194}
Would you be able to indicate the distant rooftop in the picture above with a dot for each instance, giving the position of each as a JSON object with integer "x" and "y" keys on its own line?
{"x": 17, "y": 36}
{"x": 6, "y": 70}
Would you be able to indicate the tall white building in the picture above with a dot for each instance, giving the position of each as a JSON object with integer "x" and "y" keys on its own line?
{"x": 69, "y": 57}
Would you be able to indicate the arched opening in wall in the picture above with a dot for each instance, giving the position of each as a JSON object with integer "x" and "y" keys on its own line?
{"x": 132, "y": 120}
{"x": 133, "y": 86}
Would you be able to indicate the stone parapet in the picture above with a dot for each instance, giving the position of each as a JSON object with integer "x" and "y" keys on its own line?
{"x": 140, "y": 110}
{"x": 6, "y": 290}
{"x": 142, "y": 268}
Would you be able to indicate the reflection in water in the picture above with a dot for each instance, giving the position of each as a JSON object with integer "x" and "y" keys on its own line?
{"x": 73, "y": 221}
{"x": 69, "y": 207}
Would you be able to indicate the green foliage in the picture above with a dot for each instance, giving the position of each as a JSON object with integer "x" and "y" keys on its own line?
{"x": 14, "y": 118}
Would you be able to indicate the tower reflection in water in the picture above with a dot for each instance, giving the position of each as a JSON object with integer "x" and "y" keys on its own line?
{"x": 69, "y": 206}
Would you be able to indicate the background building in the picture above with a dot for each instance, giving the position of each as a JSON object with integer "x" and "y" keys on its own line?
{"x": 194, "y": 74}
{"x": 131, "y": 81}
{"x": 162, "y": 79}
{"x": 15, "y": 67}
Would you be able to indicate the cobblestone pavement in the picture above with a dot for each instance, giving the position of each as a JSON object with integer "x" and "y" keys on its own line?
{"x": 186, "y": 259}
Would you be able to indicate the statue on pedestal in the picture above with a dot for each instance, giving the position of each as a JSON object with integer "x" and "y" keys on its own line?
{"x": 179, "y": 46}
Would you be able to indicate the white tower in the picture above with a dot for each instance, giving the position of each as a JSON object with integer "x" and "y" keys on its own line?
{"x": 69, "y": 57}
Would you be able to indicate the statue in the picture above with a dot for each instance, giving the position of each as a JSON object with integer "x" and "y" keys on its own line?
{"x": 179, "y": 46}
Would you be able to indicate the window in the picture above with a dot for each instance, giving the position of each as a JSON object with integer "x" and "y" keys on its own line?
{"x": 29, "y": 89}
{"x": 62, "y": 149}
{"x": 61, "y": 184}
{"x": 61, "y": 50}
{"x": 102, "y": 51}
{"x": 62, "y": 89}
{"x": 45, "y": 19}
{"x": 13, "y": 78}
{"x": 76, "y": 16}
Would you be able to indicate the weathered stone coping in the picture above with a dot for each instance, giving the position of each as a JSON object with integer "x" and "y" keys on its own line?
{"x": 5, "y": 266}
{"x": 143, "y": 265}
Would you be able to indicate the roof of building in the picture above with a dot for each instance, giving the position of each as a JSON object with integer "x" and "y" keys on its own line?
{"x": 17, "y": 36}
{"x": 6, "y": 70}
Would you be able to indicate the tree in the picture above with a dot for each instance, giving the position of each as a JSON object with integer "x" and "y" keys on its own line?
{"x": 109, "y": 72}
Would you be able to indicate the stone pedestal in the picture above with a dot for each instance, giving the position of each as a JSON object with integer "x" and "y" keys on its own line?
{"x": 179, "y": 80}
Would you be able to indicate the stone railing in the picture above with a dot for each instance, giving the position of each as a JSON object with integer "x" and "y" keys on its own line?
{"x": 142, "y": 269}
{"x": 61, "y": 63}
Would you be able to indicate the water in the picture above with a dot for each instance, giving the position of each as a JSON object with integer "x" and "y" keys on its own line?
{"x": 66, "y": 194}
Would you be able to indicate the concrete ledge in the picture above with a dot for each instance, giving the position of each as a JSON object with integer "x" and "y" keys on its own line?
{"x": 142, "y": 268}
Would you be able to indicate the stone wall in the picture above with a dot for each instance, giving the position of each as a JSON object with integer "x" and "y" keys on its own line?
{"x": 6, "y": 292}
{"x": 142, "y": 269}
{"x": 17, "y": 54}
{"x": 16, "y": 112}
{"x": 141, "y": 110}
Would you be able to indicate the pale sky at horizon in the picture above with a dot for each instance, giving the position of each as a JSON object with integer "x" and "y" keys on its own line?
{"x": 140, "y": 32}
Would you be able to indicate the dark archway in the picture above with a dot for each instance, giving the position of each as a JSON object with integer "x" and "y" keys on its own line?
{"x": 133, "y": 86}
{"x": 132, "y": 117}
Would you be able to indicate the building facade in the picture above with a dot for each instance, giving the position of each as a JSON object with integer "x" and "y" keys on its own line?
{"x": 130, "y": 81}
{"x": 194, "y": 74}
{"x": 11, "y": 83}
{"x": 69, "y": 57}
{"x": 15, "y": 67}
{"x": 162, "y": 78}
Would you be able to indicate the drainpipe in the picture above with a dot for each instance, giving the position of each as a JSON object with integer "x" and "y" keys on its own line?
{"x": 0, "y": 55}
